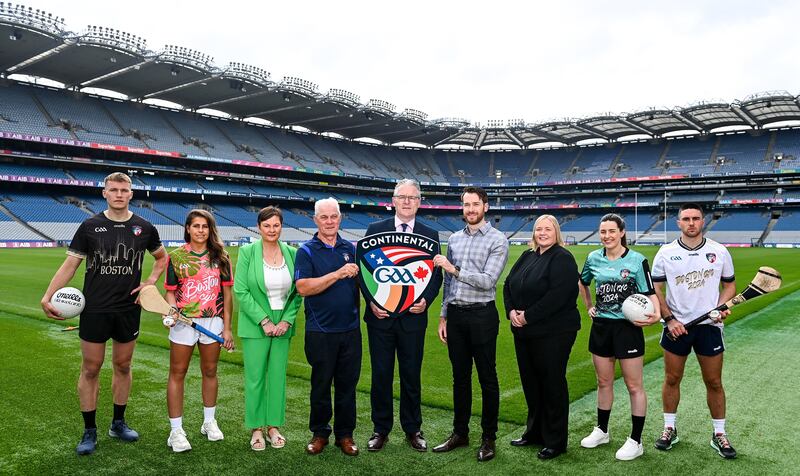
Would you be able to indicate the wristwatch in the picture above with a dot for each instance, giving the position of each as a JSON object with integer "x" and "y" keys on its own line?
{"x": 668, "y": 318}
{"x": 458, "y": 270}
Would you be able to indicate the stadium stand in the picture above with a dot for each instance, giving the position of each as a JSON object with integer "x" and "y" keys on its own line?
{"x": 589, "y": 171}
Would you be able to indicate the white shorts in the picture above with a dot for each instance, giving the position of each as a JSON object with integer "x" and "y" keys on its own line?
{"x": 184, "y": 334}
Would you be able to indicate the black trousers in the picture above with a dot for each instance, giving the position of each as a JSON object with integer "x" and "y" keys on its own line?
{"x": 409, "y": 347}
{"x": 335, "y": 359}
{"x": 472, "y": 336}
{"x": 543, "y": 371}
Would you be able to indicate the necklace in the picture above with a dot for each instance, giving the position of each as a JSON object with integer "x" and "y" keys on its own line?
{"x": 273, "y": 260}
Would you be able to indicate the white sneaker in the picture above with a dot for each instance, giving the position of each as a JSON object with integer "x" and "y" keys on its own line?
{"x": 630, "y": 450}
{"x": 211, "y": 430}
{"x": 177, "y": 441}
{"x": 596, "y": 438}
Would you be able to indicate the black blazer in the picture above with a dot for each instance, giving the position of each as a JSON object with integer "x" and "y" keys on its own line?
{"x": 545, "y": 287}
{"x": 409, "y": 321}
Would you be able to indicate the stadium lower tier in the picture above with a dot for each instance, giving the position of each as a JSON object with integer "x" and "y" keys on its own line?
{"x": 54, "y": 218}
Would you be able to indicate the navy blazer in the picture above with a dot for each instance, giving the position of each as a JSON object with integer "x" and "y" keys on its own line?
{"x": 409, "y": 321}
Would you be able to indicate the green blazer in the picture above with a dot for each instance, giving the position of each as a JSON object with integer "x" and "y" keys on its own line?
{"x": 250, "y": 291}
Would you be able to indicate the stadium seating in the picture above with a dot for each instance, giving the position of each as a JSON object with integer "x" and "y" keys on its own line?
{"x": 744, "y": 153}
{"x": 31, "y": 170}
{"x": 19, "y": 112}
{"x": 595, "y": 162}
{"x": 787, "y": 228}
{"x": 70, "y": 115}
{"x": 640, "y": 159}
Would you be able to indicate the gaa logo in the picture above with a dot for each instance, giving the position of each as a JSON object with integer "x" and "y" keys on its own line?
{"x": 395, "y": 275}
{"x": 396, "y": 269}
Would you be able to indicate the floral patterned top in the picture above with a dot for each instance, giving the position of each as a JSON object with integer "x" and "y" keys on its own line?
{"x": 196, "y": 282}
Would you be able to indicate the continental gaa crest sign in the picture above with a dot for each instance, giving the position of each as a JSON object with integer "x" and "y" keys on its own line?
{"x": 396, "y": 269}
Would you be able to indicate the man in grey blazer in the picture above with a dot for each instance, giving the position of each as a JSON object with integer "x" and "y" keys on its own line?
{"x": 403, "y": 336}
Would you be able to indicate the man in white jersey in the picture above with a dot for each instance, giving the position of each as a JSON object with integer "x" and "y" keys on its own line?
{"x": 694, "y": 268}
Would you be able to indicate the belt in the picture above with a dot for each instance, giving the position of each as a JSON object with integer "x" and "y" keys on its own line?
{"x": 472, "y": 306}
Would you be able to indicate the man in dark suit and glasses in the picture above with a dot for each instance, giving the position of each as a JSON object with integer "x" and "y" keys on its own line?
{"x": 403, "y": 335}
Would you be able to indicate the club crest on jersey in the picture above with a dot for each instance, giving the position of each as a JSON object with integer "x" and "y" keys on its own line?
{"x": 137, "y": 230}
{"x": 711, "y": 257}
{"x": 624, "y": 273}
{"x": 396, "y": 269}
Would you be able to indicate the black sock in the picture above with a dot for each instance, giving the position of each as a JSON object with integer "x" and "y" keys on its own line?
{"x": 119, "y": 412}
{"x": 637, "y": 427}
{"x": 88, "y": 419}
{"x": 602, "y": 419}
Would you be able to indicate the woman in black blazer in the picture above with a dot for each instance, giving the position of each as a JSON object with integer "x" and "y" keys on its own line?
{"x": 540, "y": 295}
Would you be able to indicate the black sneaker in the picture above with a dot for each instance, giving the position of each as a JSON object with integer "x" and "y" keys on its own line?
{"x": 668, "y": 438}
{"x": 120, "y": 429}
{"x": 719, "y": 441}
{"x": 88, "y": 442}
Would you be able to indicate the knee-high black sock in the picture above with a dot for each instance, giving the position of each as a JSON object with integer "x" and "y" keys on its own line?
{"x": 637, "y": 427}
{"x": 602, "y": 419}
{"x": 119, "y": 412}
{"x": 89, "y": 419}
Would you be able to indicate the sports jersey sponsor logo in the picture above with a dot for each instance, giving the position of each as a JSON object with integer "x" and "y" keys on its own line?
{"x": 624, "y": 273}
{"x": 137, "y": 230}
{"x": 711, "y": 257}
{"x": 100, "y": 229}
{"x": 675, "y": 258}
{"x": 396, "y": 269}
{"x": 119, "y": 225}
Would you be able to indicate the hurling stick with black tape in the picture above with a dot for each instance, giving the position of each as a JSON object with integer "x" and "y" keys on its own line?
{"x": 151, "y": 300}
{"x": 766, "y": 280}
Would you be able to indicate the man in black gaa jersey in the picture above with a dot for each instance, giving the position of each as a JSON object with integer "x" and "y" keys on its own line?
{"x": 113, "y": 244}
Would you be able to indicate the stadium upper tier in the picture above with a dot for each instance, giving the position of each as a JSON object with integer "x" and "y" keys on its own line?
{"x": 36, "y": 44}
{"x": 74, "y": 116}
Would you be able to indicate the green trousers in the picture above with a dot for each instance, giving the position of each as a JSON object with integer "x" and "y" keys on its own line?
{"x": 265, "y": 361}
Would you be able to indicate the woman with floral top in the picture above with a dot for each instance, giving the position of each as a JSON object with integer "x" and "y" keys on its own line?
{"x": 198, "y": 282}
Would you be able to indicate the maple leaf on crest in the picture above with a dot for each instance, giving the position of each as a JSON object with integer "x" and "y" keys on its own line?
{"x": 420, "y": 272}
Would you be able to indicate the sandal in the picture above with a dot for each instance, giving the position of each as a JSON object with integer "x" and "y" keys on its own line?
{"x": 257, "y": 440}
{"x": 276, "y": 440}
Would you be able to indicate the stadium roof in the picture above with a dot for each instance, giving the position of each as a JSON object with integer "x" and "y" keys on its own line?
{"x": 35, "y": 43}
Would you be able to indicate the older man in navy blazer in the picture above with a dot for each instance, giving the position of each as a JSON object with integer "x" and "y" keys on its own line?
{"x": 403, "y": 336}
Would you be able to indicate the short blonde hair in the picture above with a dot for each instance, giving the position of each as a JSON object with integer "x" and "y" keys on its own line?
{"x": 556, "y": 227}
{"x": 117, "y": 177}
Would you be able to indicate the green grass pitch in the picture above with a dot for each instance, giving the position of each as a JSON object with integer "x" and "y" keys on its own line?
{"x": 45, "y": 363}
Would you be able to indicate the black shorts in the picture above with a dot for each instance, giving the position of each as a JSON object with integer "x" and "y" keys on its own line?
{"x": 616, "y": 338}
{"x": 98, "y": 327}
{"x": 706, "y": 340}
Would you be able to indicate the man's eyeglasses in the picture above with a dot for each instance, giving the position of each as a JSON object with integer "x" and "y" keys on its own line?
{"x": 410, "y": 198}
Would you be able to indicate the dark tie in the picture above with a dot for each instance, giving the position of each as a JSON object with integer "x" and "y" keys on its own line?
{"x": 405, "y": 227}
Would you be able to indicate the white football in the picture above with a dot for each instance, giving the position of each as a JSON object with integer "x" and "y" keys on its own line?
{"x": 636, "y": 306}
{"x": 68, "y": 301}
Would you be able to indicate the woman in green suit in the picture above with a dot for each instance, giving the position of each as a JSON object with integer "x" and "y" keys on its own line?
{"x": 268, "y": 304}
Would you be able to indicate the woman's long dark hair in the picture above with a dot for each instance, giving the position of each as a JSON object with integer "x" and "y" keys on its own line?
{"x": 216, "y": 249}
{"x": 620, "y": 224}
